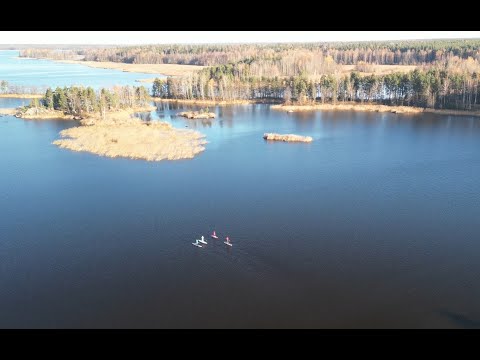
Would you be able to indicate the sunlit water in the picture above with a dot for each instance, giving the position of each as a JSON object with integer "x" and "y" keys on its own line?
{"x": 373, "y": 224}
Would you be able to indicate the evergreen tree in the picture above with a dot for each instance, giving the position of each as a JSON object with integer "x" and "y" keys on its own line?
{"x": 4, "y": 86}
{"x": 47, "y": 100}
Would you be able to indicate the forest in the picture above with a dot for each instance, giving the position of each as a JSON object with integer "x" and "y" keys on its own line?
{"x": 413, "y": 52}
{"x": 436, "y": 87}
{"x": 444, "y": 74}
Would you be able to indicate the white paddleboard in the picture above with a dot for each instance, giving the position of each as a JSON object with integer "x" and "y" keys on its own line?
{"x": 228, "y": 243}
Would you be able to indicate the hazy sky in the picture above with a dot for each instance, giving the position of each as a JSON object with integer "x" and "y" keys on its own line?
{"x": 167, "y": 37}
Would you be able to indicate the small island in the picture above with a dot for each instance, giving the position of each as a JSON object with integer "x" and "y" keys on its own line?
{"x": 287, "y": 137}
{"x": 123, "y": 136}
{"x": 197, "y": 114}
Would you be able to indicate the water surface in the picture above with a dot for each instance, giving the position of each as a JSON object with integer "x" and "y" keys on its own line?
{"x": 372, "y": 225}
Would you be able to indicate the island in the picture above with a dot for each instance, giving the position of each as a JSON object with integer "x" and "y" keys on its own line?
{"x": 287, "y": 137}
{"x": 197, "y": 114}
{"x": 123, "y": 136}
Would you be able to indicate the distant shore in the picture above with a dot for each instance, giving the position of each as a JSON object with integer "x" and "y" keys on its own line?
{"x": 164, "y": 69}
{"x": 372, "y": 108}
{"x": 22, "y": 96}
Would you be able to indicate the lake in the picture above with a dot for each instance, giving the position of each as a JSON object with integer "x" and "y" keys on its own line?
{"x": 372, "y": 225}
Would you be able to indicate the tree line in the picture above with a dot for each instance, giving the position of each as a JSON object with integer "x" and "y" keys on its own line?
{"x": 437, "y": 87}
{"x": 411, "y": 52}
{"x": 78, "y": 101}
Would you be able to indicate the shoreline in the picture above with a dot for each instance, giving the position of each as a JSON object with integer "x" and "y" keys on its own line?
{"x": 275, "y": 105}
{"x": 213, "y": 102}
{"x": 60, "y": 115}
{"x": 21, "y": 96}
{"x": 8, "y": 111}
{"x": 372, "y": 108}
{"x": 157, "y": 69}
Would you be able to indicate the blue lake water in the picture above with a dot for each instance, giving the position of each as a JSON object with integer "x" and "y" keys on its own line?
{"x": 42, "y": 73}
{"x": 372, "y": 225}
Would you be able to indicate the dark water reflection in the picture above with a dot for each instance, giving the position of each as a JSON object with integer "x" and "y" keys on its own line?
{"x": 374, "y": 224}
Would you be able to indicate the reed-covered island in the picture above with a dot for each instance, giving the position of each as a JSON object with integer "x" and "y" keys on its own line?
{"x": 203, "y": 114}
{"x": 123, "y": 136}
{"x": 287, "y": 137}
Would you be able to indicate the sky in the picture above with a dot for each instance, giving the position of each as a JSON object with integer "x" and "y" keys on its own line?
{"x": 169, "y": 37}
